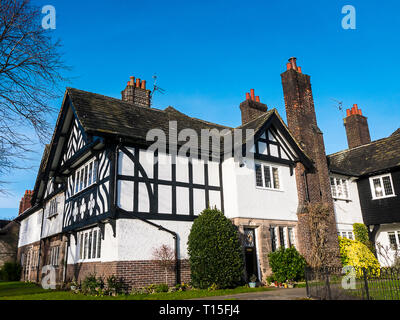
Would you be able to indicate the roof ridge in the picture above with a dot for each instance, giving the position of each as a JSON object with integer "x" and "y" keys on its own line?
{"x": 257, "y": 118}
{"x": 362, "y": 146}
{"x": 116, "y": 99}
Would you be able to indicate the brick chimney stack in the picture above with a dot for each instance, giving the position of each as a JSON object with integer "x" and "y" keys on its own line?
{"x": 136, "y": 93}
{"x": 25, "y": 202}
{"x": 312, "y": 183}
{"x": 252, "y": 108}
{"x": 357, "y": 129}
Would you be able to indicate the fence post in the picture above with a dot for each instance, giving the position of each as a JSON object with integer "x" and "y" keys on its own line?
{"x": 365, "y": 283}
{"x": 307, "y": 284}
{"x": 328, "y": 285}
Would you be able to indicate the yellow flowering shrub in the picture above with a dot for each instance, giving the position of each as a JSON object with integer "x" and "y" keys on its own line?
{"x": 356, "y": 254}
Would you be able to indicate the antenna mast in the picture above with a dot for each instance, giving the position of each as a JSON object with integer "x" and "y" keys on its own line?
{"x": 155, "y": 89}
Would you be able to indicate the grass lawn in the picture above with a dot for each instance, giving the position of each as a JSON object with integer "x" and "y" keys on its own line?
{"x": 30, "y": 291}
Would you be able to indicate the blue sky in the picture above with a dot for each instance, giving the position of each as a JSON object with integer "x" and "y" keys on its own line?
{"x": 208, "y": 54}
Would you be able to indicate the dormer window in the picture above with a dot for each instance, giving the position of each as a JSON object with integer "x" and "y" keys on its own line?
{"x": 382, "y": 186}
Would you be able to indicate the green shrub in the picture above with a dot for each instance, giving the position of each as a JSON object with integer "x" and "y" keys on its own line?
{"x": 114, "y": 285}
{"x": 163, "y": 287}
{"x": 287, "y": 265}
{"x": 11, "y": 271}
{"x": 215, "y": 253}
{"x": 361, "y": 234}
{"x": 356, "y": 254}
{"x": 92, "y": 285}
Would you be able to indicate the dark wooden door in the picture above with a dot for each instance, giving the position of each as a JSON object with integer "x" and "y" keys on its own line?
{"x": 250, "y": 253}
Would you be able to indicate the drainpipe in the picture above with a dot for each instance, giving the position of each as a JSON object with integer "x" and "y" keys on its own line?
{"x": 66, "y": 259}
{"x": 40, "y": 248}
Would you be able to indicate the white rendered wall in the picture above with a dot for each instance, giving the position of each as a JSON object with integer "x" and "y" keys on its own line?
{"x": 243, "y": 199}
{"x": 382, "y": 237}
{"x": 137, "y": 239}
{"x": 53, "y": 225}
{"x": 348, "y": 212}
{"x": 29, "y": 231}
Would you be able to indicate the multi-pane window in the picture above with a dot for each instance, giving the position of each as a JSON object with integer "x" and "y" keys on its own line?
{"x": 292, "y": 242}
{"x": 273, "y": 239}
{"x": 394, "y": 240}
{"x": 339, "y": 188}
{"x": 346, "y": 234}
{"x": 267, "y": 177}
{"x": 382, "y": 186}
{"x": 54, "y": 255}
{"x": 53, "y": 208}
{"x": 86, "y": 175}
{"x": 89, "y": 244}
{"x": 282, "y": 237}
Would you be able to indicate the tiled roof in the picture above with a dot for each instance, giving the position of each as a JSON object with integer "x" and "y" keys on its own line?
{"x": 371, "y": 158}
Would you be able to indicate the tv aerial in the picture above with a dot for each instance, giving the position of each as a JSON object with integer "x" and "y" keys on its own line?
{"x": 155, "y": 88}
{"x": 338, "y": 105}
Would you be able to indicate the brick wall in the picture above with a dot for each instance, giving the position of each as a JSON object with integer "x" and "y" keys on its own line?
{"x": 135, "y": 274}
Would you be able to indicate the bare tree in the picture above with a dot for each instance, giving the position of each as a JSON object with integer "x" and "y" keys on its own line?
{"x": 30, "y": 71}
{"x": 165, "y": 258}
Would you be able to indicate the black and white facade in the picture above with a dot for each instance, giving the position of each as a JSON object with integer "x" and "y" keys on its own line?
{"x": 104, "y": 200}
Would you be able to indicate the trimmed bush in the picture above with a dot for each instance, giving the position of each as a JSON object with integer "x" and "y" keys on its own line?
{"x": 356, "y": 254}
{"x": 287, "y": 265}
{"x": 215, "y": 253}
{"x": 11, "y": 271}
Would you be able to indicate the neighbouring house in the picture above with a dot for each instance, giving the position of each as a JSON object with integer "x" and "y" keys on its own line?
{"x": 9, "y": 233}
{"x": 105, "y": 198}
{"x": 365, "y": 181}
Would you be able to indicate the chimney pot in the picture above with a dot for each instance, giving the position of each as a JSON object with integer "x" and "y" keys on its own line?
{"x": 143, "y": 86}
{"x": 247, "y": 96}
{"x": 292, "y": 61}
{"x": 348, "y": 111}
{"x": 137, "y": 83}
{"x": 258, "y": 98}
{"x": 252, "y": 94}
{"x": 288, "y": 66}
{"x": 299, "y": 69}
{"x": 132, "y": 82}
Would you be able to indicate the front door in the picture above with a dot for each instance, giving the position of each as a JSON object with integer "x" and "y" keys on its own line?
{"x": 250, "y": 253}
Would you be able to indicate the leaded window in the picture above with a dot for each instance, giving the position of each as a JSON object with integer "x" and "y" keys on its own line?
{"x": 86, "y": 175}
{"x": 267, "y": 177}
{"x": 90, "y": 244}
{"x": 382, "y": 186}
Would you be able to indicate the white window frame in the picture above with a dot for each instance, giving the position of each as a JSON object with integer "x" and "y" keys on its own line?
{"x": 271, "y": 167}
{"x": 397, "y": 237}
{"x": 81, "y": 170}
{"x": 380, "y": 177}
{"x": 334, "y": 188}
{"x": 83, "y": 250}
